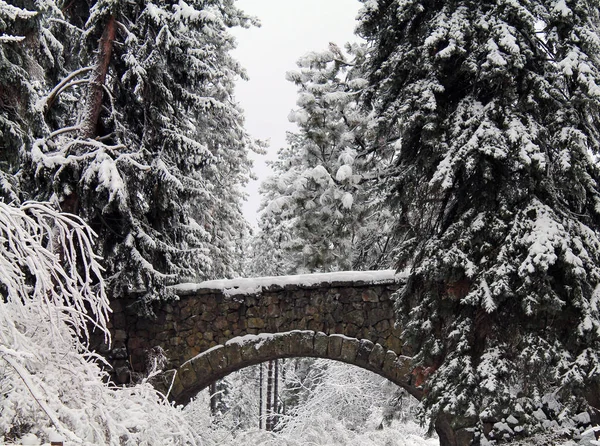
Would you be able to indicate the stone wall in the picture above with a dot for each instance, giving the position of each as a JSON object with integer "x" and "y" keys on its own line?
{"x": 204, "y": 318}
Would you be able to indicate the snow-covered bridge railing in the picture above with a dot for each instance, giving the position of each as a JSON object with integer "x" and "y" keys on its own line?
{"x": 355, "y": 305}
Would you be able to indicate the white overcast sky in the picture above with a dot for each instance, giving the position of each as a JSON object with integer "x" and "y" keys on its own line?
{"x": 289, "y": 29}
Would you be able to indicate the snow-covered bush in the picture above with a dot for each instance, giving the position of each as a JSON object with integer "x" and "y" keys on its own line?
{"x": 50, "y": 383}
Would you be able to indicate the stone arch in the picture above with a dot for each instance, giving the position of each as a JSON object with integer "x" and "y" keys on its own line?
{"x": 197, "y": 373}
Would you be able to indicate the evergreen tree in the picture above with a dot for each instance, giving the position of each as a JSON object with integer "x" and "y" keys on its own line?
{"x": 146, "y": 141}
{"x": 28, "y": 49}
{"x": 490, "y": 110}
{"x": 322, "y": 211}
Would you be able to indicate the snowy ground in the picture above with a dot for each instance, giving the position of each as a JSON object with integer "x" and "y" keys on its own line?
{"x": 328, "y": 433}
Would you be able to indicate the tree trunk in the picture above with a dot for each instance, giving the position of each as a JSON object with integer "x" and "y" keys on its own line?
{"x": 260, "y": 396}
{"x": 270, "y": 396}
{"x": 213, "y": 399}
{"x": 93, "y": 105}
{"x": 275, "y": 395}
{"x": 448, "y": 435}
{"x": 282, "y": 411}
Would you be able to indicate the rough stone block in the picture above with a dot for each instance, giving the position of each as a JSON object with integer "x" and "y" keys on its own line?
{"x": 369, "y": 296}
{"x": 301, "y": 302}
{"x": 364, "y": 350}
{"x": 315, "y": 325}
{"x": 255, "y": 322}
{"x": 271, "y": 299}
{"x": 186, "y": 312}
{"x": 349, "y": 350}
{"x": 207, "y": 316}
{"x": 321, "y": 341}
{"x": 389, "y": 362}
{"x": 404, "y": 368}
{"x": 234, "y": 355}
{"x": 248, "y": 351}
{"x": 190, "y": 340}
{"x": 377, "y": 356}
{"x": 305, "y": 341}
{"x": 329, "y": 323}
{"x": 382, "y": 326}
{"x": 217, "y": 359}
{"x": 379, "y": 314}
{"x": 393, "y": 343}
{"x": 251, "y": 301}
{"x": 355, "y": 317}
{"x": 271, "y": 347}
{"x": 187, "y": 324}
{"x": 339, "y": 313}
{"x": 221, "y": 323}
{"x": 311, "y": 310}
{"x": 396, "y": 330}
{"x": 193, "y": 352}
{"x": 188, "y": 375}
{"x": 252, "y": 312}
{"x": 285, "y": 343}
{"x": 274, "y": 310}
{"x": 317, "y": 300}
{"x": 345, "y": 296}
{"x": 235, "y": 305}
{"x": 209, "y": 302}
{"x": 302, "y": 324}
{"x": 351, "y": 330}
{"x": 334, "y": 349}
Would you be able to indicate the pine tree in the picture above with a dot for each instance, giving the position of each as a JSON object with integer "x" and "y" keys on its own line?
{"x": 322, "y": 211}
{"x": 28, "y": 49}
{"x": 147, "y": 143}
{"x": 490, "y": 111}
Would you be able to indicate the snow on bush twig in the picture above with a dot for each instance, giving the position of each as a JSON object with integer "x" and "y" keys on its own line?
{"x": 52, "y": 292}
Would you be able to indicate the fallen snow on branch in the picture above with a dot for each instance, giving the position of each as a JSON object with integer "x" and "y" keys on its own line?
{"x": 255, "y": 285}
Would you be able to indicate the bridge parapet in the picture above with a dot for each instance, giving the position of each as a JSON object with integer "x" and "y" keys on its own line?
{"x": 357, "y": 305}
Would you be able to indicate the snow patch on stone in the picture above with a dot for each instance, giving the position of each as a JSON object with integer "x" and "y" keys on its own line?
{"x": 255, "y": 285}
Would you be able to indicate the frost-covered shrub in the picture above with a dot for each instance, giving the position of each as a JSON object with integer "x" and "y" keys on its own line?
{"x": 50, "y": 383}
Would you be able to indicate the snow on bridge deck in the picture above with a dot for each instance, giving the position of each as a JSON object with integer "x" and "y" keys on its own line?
{"x": 253, "y": 285}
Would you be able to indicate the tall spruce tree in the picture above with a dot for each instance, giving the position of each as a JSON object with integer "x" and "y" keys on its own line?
{"x": 145, "y": 140}
{"x": 28, "y": 50}
{"x": 490, "y": 110}
{"x": 322, "y": 210}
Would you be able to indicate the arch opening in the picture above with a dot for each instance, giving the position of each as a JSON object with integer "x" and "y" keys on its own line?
{"x": 199, "y": 372}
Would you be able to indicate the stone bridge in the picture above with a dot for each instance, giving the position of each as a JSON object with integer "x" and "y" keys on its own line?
{"x": 218, "y": 327}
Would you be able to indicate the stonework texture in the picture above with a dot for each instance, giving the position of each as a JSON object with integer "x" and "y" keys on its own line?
{"x": 205, "y": 318}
